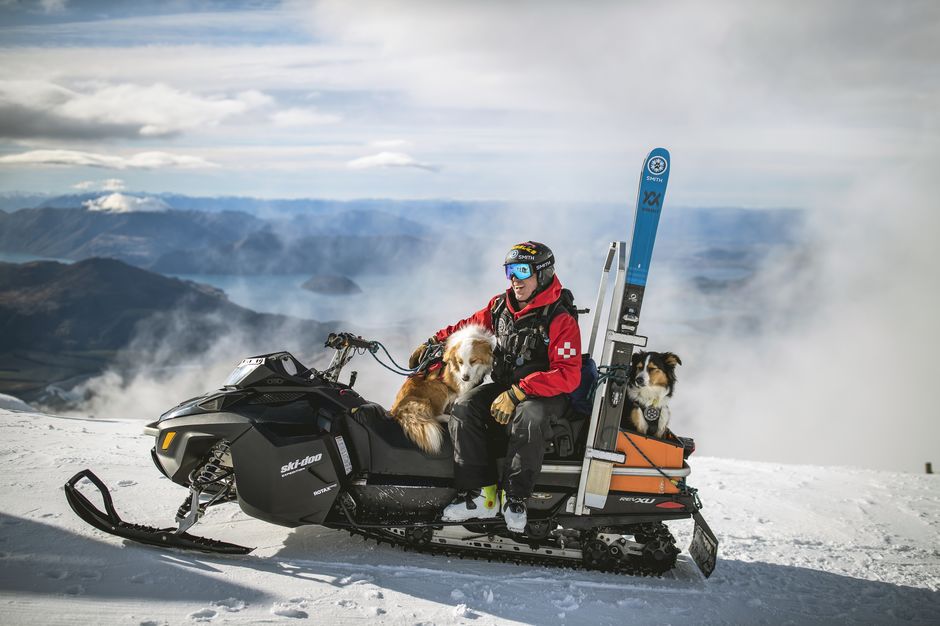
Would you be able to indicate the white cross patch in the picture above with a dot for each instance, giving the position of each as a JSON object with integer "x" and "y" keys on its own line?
{"x": 566, "y": 351}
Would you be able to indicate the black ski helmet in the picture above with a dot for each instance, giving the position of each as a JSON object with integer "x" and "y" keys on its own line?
{"x": 538, "y": 256}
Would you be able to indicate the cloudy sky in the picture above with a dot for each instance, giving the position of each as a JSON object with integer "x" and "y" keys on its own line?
{"x": 832, "y": 106}
{"x": 762, "y": 104}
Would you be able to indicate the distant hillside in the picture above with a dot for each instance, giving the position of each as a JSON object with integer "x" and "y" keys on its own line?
{"x": 331, "y": 284}
{"x": 136, "y": 238}
{"x": 61, "y": 322}
{"x": 12, "y": 201}
{"x": 267, "y": 253}
{"x": 730, "y": 225}
{"x": 280, "y": 207}
{"x": 226, "y": 242}
{"x": 355, "y": 238}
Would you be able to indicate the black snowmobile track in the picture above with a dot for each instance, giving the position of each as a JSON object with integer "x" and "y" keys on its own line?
{"x": 629, "y": 565}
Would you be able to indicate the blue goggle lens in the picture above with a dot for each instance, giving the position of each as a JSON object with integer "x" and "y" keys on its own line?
{"x": 519, "y": 270}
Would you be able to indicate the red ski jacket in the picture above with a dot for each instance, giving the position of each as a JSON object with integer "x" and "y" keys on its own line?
{"x": 564, "y": 343}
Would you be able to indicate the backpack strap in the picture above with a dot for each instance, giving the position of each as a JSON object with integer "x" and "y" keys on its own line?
{"x": 496, "y": 309}
{"x": 565, "y": 302}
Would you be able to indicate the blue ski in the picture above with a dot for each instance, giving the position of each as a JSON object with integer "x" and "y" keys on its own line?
{"x": 649, "y": 204}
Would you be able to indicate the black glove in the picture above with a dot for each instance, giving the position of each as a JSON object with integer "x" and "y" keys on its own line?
{"x": 418, "y": 355}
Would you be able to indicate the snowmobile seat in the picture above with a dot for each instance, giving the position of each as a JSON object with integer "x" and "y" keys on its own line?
{"x": 567, "y": 434}
{"x": 381, "y": 446}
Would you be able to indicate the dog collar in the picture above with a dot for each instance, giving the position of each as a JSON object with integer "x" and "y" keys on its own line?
{"x": 652, "y": 413}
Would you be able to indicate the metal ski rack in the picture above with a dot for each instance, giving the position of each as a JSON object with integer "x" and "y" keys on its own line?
{"x": 620, "y": 335}
{"x": 617, "y": 348}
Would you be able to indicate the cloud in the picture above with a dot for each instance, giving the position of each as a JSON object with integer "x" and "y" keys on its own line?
{"x": 838, "y": 314}
{"x": 680, "y": 52}
{"x": 388, "y": 144}
{"x": 121, "y": 203}
{"x": 158, "y": 109}
{"x": 788, "y": 101}
{"x": 76, "y": 158}
{"x": 51, "y": 7}
{"x": 389, "y": 159}
{"x": 297, "y": 117}
{"x": 160, "y": 367}
{"x": 36, "y": 108}
{"x": 48, "y": 7}
{"x": 780, "y": 92}
{"x": 23, "y": 122}
{"x": 109, "y": 184}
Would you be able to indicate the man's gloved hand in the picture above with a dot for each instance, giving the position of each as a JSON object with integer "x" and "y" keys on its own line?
{"x": 505, "y": 403}
{"x": 417, "y": 355}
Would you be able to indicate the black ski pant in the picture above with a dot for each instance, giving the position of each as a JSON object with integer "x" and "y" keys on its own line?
{"x": 479, "y": 440}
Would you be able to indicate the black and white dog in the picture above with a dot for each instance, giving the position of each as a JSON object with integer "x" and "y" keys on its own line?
{"x": 650, "y": 385}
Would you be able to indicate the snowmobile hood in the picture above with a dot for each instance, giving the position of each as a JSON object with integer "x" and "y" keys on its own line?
{"x": 543, "y": 298}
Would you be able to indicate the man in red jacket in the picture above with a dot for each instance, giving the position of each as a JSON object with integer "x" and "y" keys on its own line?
{"x": 537, "y": 363}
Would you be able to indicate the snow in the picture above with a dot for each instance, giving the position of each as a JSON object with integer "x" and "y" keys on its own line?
{"x": 123, "y": 203}
{"x": 799, "y": 544}
{"x": 13, "y": 403}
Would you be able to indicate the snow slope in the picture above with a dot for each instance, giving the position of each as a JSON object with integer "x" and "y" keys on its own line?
{"x": 13, "y": 403}
{"x": 800, "y": 544}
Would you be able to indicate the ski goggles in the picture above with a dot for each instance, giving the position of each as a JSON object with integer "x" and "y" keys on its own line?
{"x": 519, "y": 270}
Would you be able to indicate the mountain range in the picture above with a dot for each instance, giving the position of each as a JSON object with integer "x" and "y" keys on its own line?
{"x": 224, "y": 242}
{"x": 250, "y": 236}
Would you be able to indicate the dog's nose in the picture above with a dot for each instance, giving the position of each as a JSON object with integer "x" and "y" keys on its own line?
{"x": 466, "y": 378}
{"x": 640, "y": 382}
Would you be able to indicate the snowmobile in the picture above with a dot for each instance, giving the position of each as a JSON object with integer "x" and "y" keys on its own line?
{"x": 293, "y": 446}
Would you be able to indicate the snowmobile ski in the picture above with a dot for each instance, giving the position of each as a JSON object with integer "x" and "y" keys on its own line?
{"x": 110, "y": 522}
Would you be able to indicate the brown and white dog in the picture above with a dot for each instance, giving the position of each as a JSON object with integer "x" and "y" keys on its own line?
{"x": 422, "y": 403}
{"x": 650, "y": 385}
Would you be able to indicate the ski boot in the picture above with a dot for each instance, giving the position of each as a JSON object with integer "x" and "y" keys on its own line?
{"x": 472, "y": 504}
{"x": 514, "y": 512}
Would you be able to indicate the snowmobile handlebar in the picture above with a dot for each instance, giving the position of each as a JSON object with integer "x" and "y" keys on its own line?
{"x": 340, "y": 341}
{"x": 347, "y": 344}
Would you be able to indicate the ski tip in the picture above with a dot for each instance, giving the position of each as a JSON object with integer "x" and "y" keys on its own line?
{"x": 657, "y": 165}
{"x": 658, "y": 154}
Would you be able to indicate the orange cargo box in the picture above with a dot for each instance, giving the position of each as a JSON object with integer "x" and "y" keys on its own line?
{"x": 637, "y": 474}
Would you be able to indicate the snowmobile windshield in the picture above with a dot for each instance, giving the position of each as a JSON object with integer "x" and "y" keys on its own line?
{"x": 241, "y": 372}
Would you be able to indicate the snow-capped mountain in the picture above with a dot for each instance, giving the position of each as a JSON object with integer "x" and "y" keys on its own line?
{"x": 125, "y": 203}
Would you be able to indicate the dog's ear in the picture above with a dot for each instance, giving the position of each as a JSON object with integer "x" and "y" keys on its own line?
{"x": 638, "y": 357}
{"x": 672, "y": 359}
{"x": 449, "y": 352}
